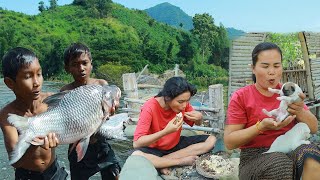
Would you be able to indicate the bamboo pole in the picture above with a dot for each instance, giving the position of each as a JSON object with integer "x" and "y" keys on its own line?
{"x": 306, "y": 59}
{"x": 145, "y": 67}
{"x": 201, "y": 128}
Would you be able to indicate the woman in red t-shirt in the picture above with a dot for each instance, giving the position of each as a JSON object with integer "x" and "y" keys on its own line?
{"x": 157, "y": 136}
{"x": 249, "y": 129}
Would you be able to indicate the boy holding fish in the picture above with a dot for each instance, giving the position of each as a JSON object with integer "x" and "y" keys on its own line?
{"x": 22, "y": 74}
{"x": 99, "y": 155}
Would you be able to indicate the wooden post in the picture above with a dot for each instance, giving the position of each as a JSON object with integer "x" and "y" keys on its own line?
{"x": 306, "y": 59}
{"x": 216, "y": 101}
{"x": 176, "y": 70}
{"x": 230, "y": 72}
{"x": 130, "y": 88}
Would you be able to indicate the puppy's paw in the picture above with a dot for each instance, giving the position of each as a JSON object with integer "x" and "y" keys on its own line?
{"x": 266, "y": 112}
{"x": 280, "y": 98}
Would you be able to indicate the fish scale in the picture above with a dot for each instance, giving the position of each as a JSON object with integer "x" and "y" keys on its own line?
{"x": 72, "y": 116}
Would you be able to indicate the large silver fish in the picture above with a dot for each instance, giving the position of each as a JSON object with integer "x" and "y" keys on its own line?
{"x": 73, "y": 116}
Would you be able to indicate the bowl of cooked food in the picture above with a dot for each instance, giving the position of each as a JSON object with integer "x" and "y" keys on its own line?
{"x": 217, "y": 166}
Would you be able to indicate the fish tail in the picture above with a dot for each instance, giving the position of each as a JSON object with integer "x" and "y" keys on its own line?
{"x": 112, "y": 132}
{"x": 21, "y": 123}
{"x": 19, "y": 150}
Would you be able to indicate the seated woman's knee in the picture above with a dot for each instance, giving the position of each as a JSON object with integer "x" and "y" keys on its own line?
{"x": 279, "y": 161}
{"x": 138, "y": 153}
{"x": 210, "y": 142}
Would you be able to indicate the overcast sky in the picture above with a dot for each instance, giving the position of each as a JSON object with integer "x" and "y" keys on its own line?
{"x": 247, "y": 15}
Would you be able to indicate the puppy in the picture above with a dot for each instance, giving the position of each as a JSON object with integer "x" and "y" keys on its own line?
{"x": 292, "y": 139}
{"x": 289, "y": 93}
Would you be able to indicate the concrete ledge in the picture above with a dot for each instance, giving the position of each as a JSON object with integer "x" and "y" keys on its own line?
{"x": 138, "y": 168}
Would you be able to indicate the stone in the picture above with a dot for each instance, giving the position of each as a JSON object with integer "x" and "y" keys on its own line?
{"x": 138, "y": 168}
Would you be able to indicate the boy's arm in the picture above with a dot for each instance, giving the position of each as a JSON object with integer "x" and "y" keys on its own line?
{"x": 10, "y": 136}
{"x": 102, "y": 82}
{"x": 10, "y": 133}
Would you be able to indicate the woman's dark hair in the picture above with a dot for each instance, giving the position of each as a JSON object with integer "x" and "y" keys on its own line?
{"x": 14, "y": 60}
{"x": 262, "y": 47}
{"x": 74, "y": 51}
{"x": 176, "y": 86}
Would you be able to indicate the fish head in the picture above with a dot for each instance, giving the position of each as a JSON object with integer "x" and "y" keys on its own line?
{"x": 111, "y": 98}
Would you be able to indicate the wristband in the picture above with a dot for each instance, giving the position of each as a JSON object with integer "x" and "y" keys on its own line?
{"x": 257, "y": 126}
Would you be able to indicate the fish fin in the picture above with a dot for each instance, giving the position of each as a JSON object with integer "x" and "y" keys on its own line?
{"x": 82, "y": 147}
{"x": 19, "y": 150}
{"x": 37, "y": 143}
{"x": 73, "y": 146}
{"x": 20, "y": 122}
{"x": 55, "y": 99}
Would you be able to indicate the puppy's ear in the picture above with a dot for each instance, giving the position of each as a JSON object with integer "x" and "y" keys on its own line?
{"x": 293, "y": 88}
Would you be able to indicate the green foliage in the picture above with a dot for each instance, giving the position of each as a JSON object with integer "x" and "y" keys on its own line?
{"x": 113, "y": 73}
{"x": 205, "y": 30}
{"x": 188, "y": 47}
{"x": 127, "y": 38}
{"x": 289, "y": 44}
{"x": 205, "y": 75}
{"x": 219, "y": 48}
{"x": 97, "y": 8}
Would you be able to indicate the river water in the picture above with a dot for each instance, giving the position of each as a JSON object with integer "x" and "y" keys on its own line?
{"x": 121, "y": 148}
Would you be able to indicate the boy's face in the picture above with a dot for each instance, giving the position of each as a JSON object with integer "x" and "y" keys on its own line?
{"x": 80, "y": 68}
{"x": 29, "y": 81}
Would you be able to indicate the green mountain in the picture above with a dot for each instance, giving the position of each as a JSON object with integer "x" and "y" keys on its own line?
{"x": 234, "y": 33}
{"x": 174, "y": 16}
{"x": 170, "y": 14}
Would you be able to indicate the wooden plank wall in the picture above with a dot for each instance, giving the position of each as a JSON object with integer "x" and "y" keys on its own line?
{"x": 240, "y": 59}
{"x": 313, "y": 46}
{"x": 315, "y": 75}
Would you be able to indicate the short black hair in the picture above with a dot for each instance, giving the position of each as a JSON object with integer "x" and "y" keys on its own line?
{"x": 15, "y": 59}
{"x": 175, "y": 86}
{"x": 263, "y": 47}
{"x": 74, "y": 51}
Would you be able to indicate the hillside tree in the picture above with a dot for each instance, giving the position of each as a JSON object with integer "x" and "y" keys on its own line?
{"x": 41, "y": 6}
{"x": 53, "y": 4}
{"x": 205, "y": 30}
{"x": 219, "y": 48}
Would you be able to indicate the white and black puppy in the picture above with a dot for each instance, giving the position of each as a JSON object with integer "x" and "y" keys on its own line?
{"x": 289, "y": 93}
{"x": 292, "y": 139}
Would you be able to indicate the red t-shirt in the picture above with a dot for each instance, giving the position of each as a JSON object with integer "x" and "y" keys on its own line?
{"x": 246, "y": 106}
{"x": 154, "y": 118}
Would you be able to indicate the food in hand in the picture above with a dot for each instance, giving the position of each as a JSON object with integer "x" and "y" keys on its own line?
{"x": 178, "y": 118}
